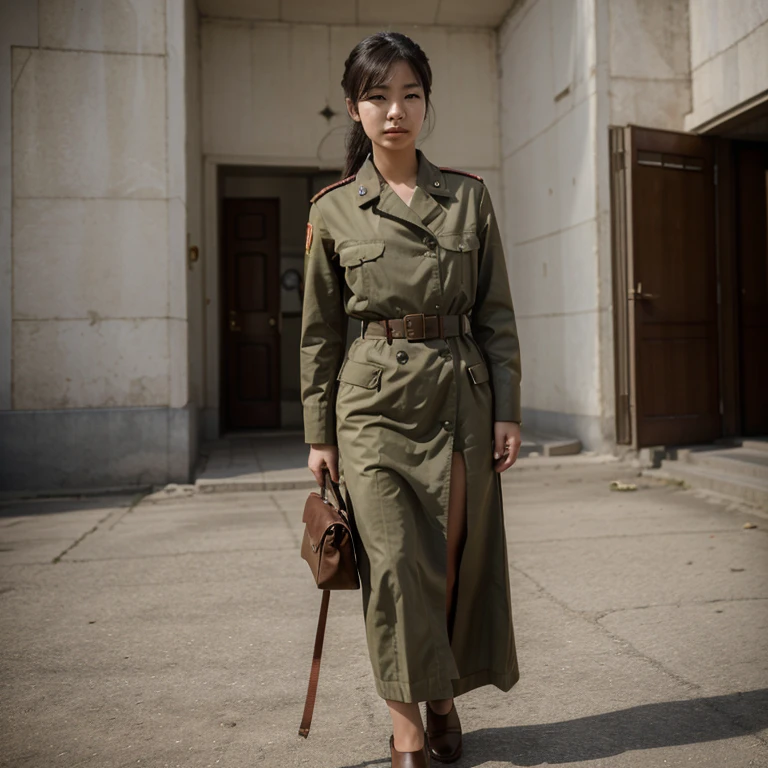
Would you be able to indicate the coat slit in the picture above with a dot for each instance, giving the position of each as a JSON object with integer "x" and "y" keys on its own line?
{"x": 460, "y": 553}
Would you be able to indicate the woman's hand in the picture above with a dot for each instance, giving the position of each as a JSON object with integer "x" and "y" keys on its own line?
{"x": 506, "y": 444}
{"x": 324, "y": 455}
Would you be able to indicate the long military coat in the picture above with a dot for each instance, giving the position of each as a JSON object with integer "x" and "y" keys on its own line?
{"x": 396, "y": 418}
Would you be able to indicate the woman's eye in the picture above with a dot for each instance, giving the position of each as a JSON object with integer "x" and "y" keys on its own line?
{"x": 413, "y": 95}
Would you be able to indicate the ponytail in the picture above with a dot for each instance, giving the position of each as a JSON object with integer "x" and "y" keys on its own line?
{"x": 358, "y": 147}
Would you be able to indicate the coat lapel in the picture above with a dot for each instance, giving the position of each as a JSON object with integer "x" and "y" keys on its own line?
{"x": 426, "y": 206}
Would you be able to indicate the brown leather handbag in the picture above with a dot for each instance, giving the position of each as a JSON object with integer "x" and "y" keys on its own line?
{"x": 327, "y": 547}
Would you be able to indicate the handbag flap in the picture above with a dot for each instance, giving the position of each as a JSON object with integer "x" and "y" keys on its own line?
{"x": 319, "y": 516}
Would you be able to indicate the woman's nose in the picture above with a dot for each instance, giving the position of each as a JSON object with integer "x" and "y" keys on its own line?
{"x": 395, "y": 110}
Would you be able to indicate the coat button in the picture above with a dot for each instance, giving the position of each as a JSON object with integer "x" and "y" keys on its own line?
{"x": 430, "y": 241}
{"x": 448, "y": 426}
{"x": 446, "y": 353}
{"x": 402, "y": 357}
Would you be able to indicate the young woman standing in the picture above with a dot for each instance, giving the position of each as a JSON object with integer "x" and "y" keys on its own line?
{"x": 422, "y": 415}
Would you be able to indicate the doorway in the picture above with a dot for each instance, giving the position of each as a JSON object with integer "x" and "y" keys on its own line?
{"x": 261, "y": 214}
{"x": 690, "y": 284}
{"x": 751, "y": 192}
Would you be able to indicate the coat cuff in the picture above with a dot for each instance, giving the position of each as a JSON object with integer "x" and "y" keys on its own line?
{"x": 508, "y": 410}
{"x": 319, "y": 425}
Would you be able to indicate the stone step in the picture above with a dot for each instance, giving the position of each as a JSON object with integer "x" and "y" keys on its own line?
{"x": 549, "y": 446}
{"x": 755, "y": 444}
{"x": 732, "y": 486}
{"x": 739, "y": 461}
{"x": 751, "y": 443}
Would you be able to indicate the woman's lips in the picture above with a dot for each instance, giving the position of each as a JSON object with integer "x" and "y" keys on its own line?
{"x": 396, "y": 130}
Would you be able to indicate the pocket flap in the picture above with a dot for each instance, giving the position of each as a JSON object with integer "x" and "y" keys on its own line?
{"x": 478, "y": 373}
{"x": 353, "y": 254}
{"x": 460, "y": 241}
{"x": 363, "y": 374}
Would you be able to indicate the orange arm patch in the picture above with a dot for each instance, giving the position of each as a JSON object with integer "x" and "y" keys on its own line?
{"x": 309, "y": 238}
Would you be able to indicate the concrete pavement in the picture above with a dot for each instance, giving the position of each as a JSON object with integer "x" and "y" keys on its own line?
{"x": 177, "y": 630}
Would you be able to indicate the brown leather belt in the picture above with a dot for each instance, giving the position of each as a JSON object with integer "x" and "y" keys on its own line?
{"x": 416, "y": 327}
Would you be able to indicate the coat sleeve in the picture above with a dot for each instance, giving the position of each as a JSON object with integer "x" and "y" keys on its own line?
{"x": 323, "y": 332}
{"x": 493, "y": 317}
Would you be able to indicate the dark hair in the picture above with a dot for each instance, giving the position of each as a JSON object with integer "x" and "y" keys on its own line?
{"x": 367, "y": 66}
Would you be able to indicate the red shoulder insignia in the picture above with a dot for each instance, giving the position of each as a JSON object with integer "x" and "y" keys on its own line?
{"x": 330, "y": 187}
{"x": 463, "y": 173}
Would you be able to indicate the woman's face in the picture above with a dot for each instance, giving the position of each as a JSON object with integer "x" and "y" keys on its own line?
{"x": 393, "y": 112}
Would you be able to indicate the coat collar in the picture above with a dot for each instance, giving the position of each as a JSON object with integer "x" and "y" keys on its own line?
{"x": 429, "y": 179}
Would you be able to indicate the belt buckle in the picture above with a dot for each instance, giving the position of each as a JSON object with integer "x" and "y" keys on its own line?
{"x": 413, "y": 323}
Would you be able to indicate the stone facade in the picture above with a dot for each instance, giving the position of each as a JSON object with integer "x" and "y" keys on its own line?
{"x": 116, "y": 117}
{"x": 95, "y": 353}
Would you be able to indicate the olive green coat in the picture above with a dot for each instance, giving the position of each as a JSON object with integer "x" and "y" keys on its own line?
{"x": 397, "y": 418}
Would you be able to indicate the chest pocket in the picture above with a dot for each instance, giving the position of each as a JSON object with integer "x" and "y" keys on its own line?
{"x": 461, "y": 258}
{"x": 358, "y": 259}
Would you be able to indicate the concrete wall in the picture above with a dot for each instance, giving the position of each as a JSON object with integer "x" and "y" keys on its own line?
{"x": 264, "y": 85}
{"x": 648, "y": 59}
{"x": 99, "y": 306}
{"x": 547, "y": 53}
{"x": 18, "y": 27}
{"x": 194, "y": 205}
{"x": 729, "y": 56}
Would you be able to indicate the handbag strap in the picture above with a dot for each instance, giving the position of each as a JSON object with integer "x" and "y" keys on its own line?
{"x": 330, "y": 487}
{"x": 309, "y": 704}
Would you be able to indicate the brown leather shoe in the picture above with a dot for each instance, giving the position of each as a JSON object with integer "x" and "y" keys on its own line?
{"x": 444, "y": 735}
{"x": 417, "y": 759}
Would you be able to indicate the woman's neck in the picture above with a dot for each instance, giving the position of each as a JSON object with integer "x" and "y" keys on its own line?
{"x": 396, "y": 166}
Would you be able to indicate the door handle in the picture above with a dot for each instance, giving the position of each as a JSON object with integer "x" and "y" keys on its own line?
{"x": 272, "y": 322}
{"x": 233, "y": 326}
{"x": 638, "y": 295}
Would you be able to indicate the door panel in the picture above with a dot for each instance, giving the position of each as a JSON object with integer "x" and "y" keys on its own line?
{"x": 665, "y": 287}
{"x": 251, "y": 322}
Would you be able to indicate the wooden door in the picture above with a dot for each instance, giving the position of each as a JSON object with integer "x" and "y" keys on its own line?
{"x": 251, "y": 319}
{"x": 665, "y": 287}
{"x": 752, "y": 245}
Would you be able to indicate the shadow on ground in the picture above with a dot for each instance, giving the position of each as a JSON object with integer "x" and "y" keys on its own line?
{"x": 668, "y": 724}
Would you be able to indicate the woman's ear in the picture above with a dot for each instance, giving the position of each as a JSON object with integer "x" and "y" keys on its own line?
{"x": 353, "y": 113}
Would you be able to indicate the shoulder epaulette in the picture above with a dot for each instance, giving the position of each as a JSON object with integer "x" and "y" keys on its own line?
{"x": 330, "y": 187}
{"x": 463, "y": 173}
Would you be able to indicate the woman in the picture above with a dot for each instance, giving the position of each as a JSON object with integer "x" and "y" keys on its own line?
{"x": 420, "y": 418}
